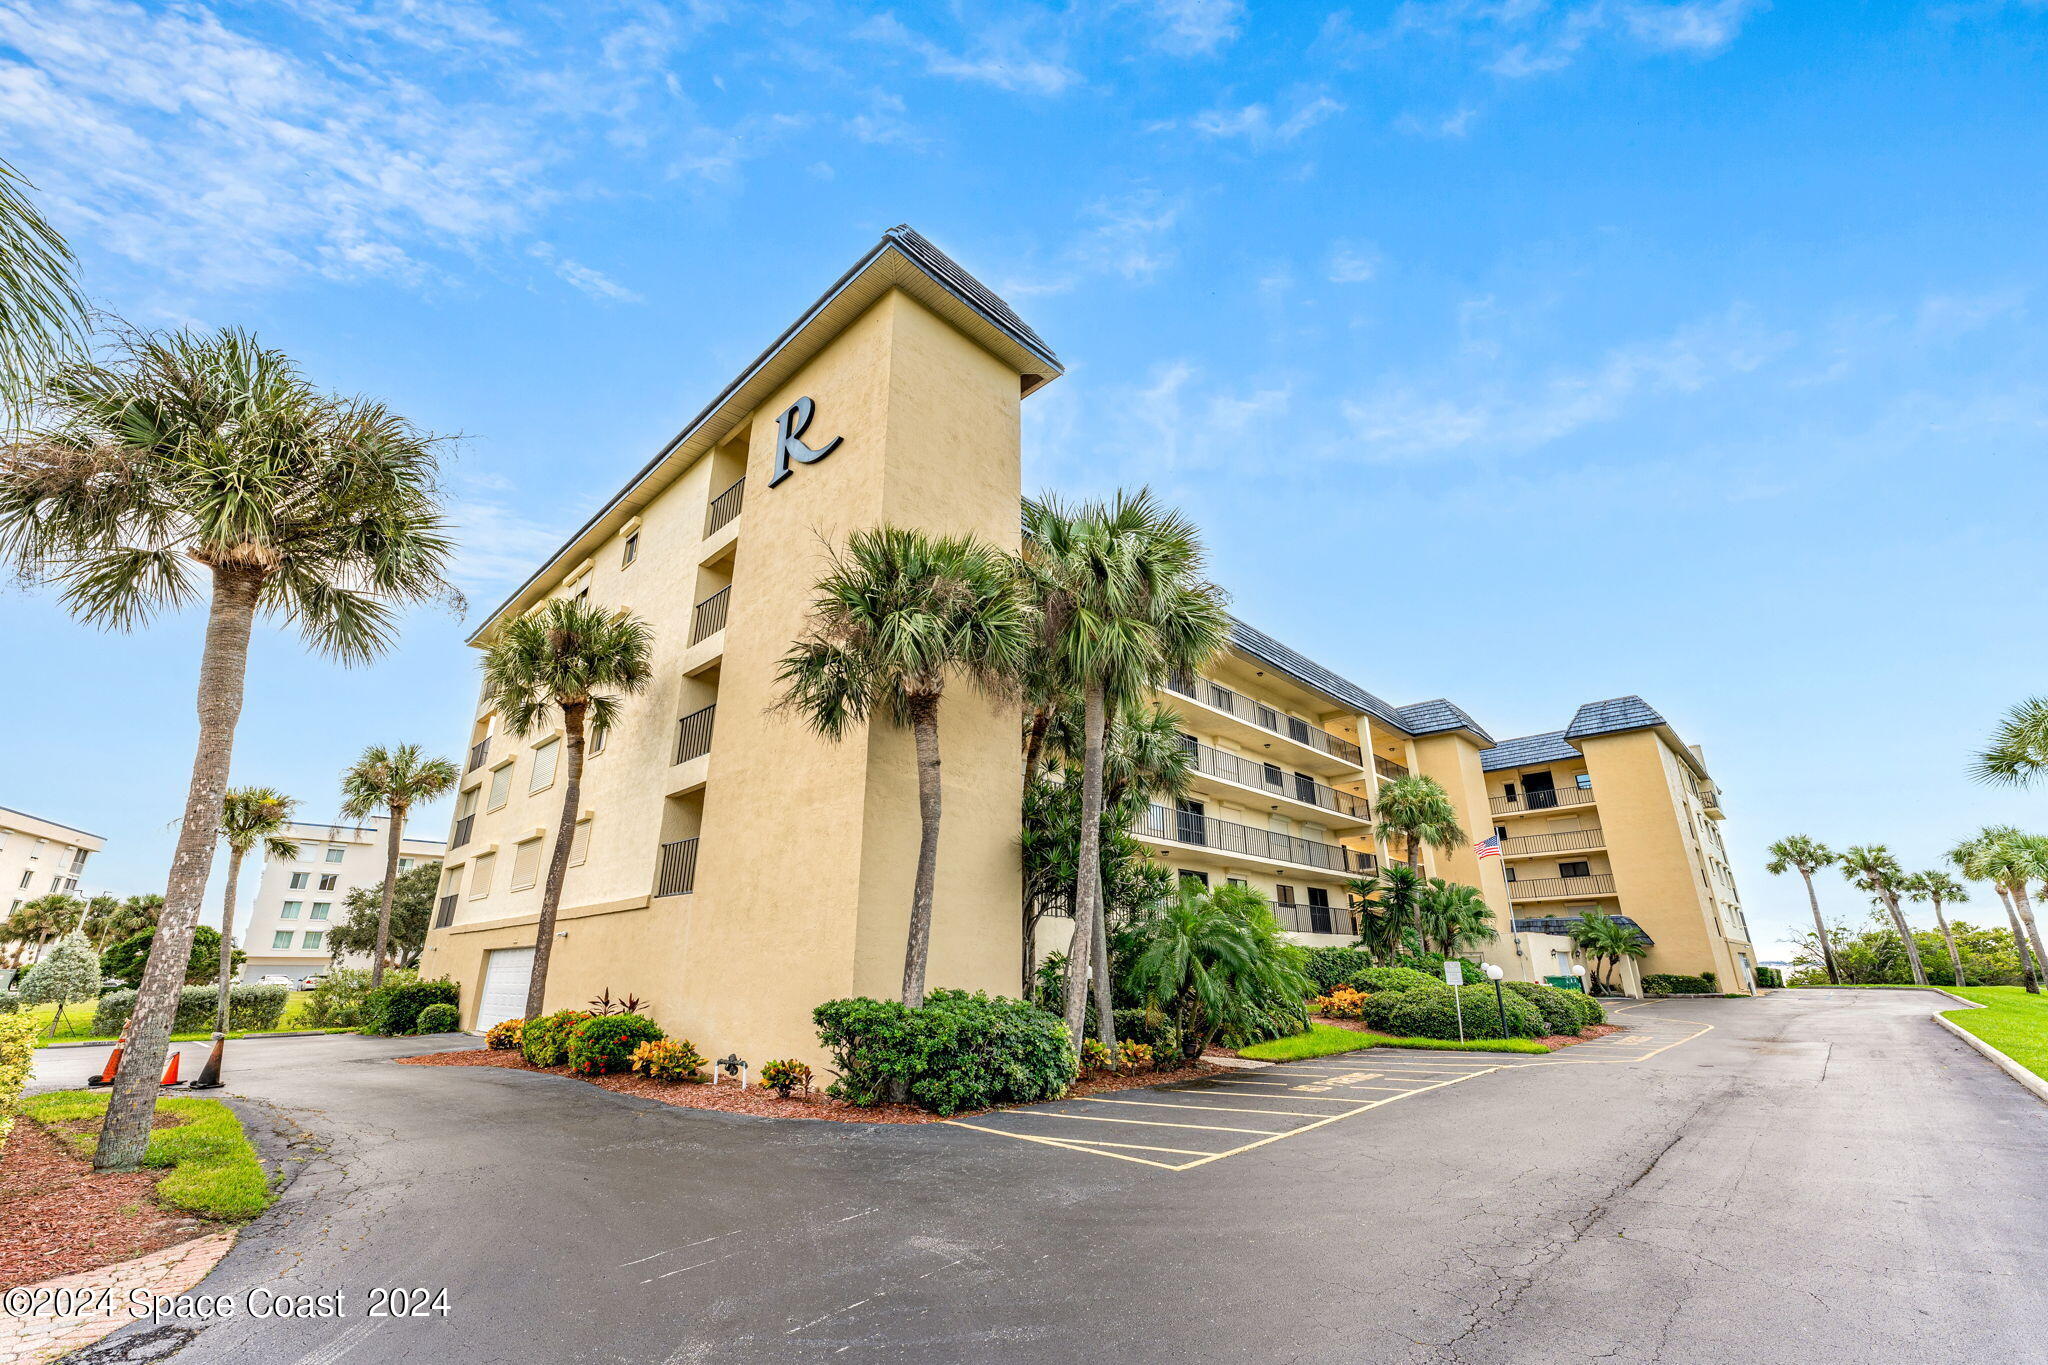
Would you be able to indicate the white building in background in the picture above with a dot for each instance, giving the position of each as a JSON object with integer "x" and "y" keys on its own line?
{"x": 297, "y": 903}
{"x": 38, "y": 857}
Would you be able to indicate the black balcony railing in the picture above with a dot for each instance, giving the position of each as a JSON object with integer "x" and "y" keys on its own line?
{"x": 462, "y": 830}
{"x": 709, "y": 618}
{"x": 693, "y": 734}
{"x": 1566, "y": 841}
{"x": 478, "y": 752}
{"x": 444, "y": 913}
{"x": 1265, "y": 717}
{"x": 1227, "y": 836}
{"x": 678, "y": 874}
{"x": 1269, "y": 777}
{"x": 1545, "y": 888}
{"x": 1550, "y": 800}
{"x": 726, "y": 506}
{"x": 1386, "y": 767}
{"x": 1303, "y": 917}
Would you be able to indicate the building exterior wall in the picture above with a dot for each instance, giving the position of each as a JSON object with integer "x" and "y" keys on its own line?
{"x": 40, "y": 857}
{"x": 284, "y": 929}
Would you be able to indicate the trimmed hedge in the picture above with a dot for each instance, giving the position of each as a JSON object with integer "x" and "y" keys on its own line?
{"x": 1559, "y": 1014}
{"x": 17, "y": 1059}
{"x": 439, "y": 1017}
{"x": 602, "y": 1045}
{"x": 1433, "y": 1013}
{"x": 1391, "y": 979}
{"x": 545, "y": 1041}
{"x": 251, "y": 1009}
{"x": 394, "y": 1008}
{"x": 1330, "y": 968}
{"x": 1670, "y": 983}
{"x": 958, "y": 1051}
{"x": 1770, "y": 978}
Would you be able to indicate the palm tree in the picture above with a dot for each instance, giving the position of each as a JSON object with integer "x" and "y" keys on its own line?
{"x": 44, "y": 918}
{"x": 397, "y": 779}
{"x": 248, "y": 816}
{"x": 41, "y": 312}
{"x": 1807, "y": 856}
{"x": 571, "y": 660}
{"x": 1389, "y": 907}
{"x": 2018, "y": 752}
{"x": 176, "y": 465}
{"x": 1872, "y": 868}
{"x": 1215, "y": 959}
{"x": 1415, "y": 811}
{"x": 2013, "y": 859}
{"x": 1974, "y": 858}
{"x": 1938, "y": 888}
{"x": 108, "y": 921}
{"x": 1120, "y": 591}
{"x": 1456, "y": 916}
{"x": 1606, "y": 941}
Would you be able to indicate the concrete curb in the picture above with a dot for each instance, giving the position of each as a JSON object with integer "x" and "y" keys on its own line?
{"x": 2037, "y": 1086}
{"x": 247, "y": 1038}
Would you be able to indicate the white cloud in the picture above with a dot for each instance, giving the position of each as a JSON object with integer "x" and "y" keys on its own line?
{"x": 1179, "y": 420}
{"x": 1703, "y": 26}
{"x": 497, "y": 546}
{"x": 1456, "y": 124}
{"x": 1354, "y": 262}
{"x": 592, "y": 282}
{"x": 1255, "y": 122}
{"x": 1518, "y": 39}
{"x": 1190, "y": 28}
{"x": 1130, "y": 235}
{"x": 998, "y": 56}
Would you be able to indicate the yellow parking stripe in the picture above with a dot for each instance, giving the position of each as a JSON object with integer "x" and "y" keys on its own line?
{"x": 1321, "y": 1099}
{"x": 1221, "y": 1108}
{"x": 1319, "y": 1123}
{"x": 1143, "y": 1123}
{"x": 1069, "y": 1146}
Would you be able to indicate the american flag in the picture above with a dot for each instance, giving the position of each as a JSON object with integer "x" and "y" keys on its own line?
{"x": 1488, "y": 847}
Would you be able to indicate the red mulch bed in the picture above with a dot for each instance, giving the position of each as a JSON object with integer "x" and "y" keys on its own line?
{"x": 58, "y": 1217}
{"x": 766, "y": 1103}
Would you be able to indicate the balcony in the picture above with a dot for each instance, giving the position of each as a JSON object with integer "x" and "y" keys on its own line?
{"x": 1521, "y": 803}
{"x": 1386, "y": 767}
{"x": 1295, "y": 917}
{"x": 1568, "y": 841}
{"x": 478, "y": 752}
{"x": 693, "y": 734}
{"x": 709, "y": 617}
{"x": 678, "y": 873}
{"x": 725, "y": 506}
{"x": 444, "y": 912}
{"x": 1221, "y": 698}
{"x": 462, "y": 831}
{"x": 1561, "y": 888}
{"x": 1270, "y": 779}
{"x": 1258, "y": 845}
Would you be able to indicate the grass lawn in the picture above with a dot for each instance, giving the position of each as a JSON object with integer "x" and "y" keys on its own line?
{"x": 2012, "y": 1021}
{"x": 212, "y": 1169}
{"x": 1323, "y": 1040}
{"x": 77, "y": 1026}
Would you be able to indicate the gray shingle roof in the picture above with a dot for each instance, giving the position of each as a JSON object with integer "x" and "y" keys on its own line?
{"x": 1608, "y": 717}
{"x": 1311, "y": 674}
{"x": 1437, "y": 716}
{"x": 949, "y": 272}
{"x": 1528, "y": 752}
{"x": 1562, "y": 924}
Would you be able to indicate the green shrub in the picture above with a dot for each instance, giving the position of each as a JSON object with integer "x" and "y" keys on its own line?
{"x": 337, "y": 999}
{"x": 10, "y": 1001}
{"x": 786, "y": 1075}
{"x": 1330, "y": 968}
{"x": 251, "y": 1009}
{"x": 503, "y": 1036}
{"x": 1589, "y": 1009}
{"x": 1431, "y": 965}
{"x": 124, "y": 961}
{"x": 17, "y": 1057}
{"x": 1769, "y": 978}
{"x": 668, "y": 1059}
{"x": 1669, "y": 983}
{"x": 958, "y": 1051}
{"x": 1134, "y": 1056}
{"x": 1390, "y": 979}
{"x": 1560, "y": 1015}
{"x": 393, "y": 1008}
{"x": 1095, "y": 1056}
{"x": 603, "y": 1044}
{"x": 545, "y": 1041}
{"x": 439, "y": 1018}
{"x": 1155, "y": 1030}
{"x": 1433, "y": 1013}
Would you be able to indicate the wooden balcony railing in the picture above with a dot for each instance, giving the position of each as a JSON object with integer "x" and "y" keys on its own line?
{"x": 693, "y": 734}
{"x": 1550, "y": 800}
{"x": 678, "y": 873}
{"x": 709, "y": 617}
{"x": 726, "y": 506}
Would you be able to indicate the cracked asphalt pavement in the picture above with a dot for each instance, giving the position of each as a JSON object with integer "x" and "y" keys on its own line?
{"x": 1823, "y": 1175}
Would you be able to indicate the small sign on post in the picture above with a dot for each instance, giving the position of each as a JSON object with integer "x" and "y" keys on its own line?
{"x": 1454, "y": 977}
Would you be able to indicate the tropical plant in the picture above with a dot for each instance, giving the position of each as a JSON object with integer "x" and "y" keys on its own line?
{"x": 393, "y": 1009}
{"x": 1798, "y": 853}
{"x": 786, "y": 1075}
{"x": 604, "y": 1043}
{"x": 1977, "y": 858}
{"x": 1605, "y": 941}
{"x": 109, "y": 921}
{"x": 337, "y": 998}
{"x": 503, "y": 1036}
{"x": 956, "y": 1051}
{"x": 1389, "y": 909}
{"x": 1123, "y": 605}
{"x": 1414, "y": 811}
{"x": 43, "y": 919}
{"x": 545, "y": 1039}
{"x": 125, "y": 961}
{"x": 2013, "y": 859}
{"x": 569, "y": 661}
{"x": 173, "y": 459}
{"x": 1938, "y": 888}
{"x": 397, "y": 779}
{"x": 898, "y": 615}
{"x": 69, "y": 974}
{"x": 42, "y": 315}
{"x": 412, "y": 911}
{"x": 1871, "y": 868}
{"x": 248, "y": 816}
{"x": 1455, "y": 916}
{"x": 1214, "y": 959}
{"x": 2017, "y": 753}
{"x": 668, "y": 1059}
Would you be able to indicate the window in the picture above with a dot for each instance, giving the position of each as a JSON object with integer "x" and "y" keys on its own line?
{"x": 1584, "y": 782}
{"x": 1318, "y": 910}
{"x": 336, "y": 853}
{"x": 482, "y": 870}
{"x": 1199, "y": 878}
{"x": 1284, "y": 894}
{"x": 1575, "y": 869}
{"x": 579, "y": 844}
{"x": 597, "y": 741}
{"x": 328, "y": 880}
{"x": 289, "y": 910}
{"x": 501, "y": 786}
{"x": 1238, "y": 881}
{"x": 630, "y": 551}
{"x": 1510, "y": 873}
{"x": 27, "y": 877}
{"x": 525, "y": 864}
{"x": 321, "y": 909}
{"x": 465, "y": 805}
{"x": 454, "y": 886}
{"x": 300, "y": 879}
{"x": 281, "y": 939}
{"x": 313, "y": 937}
{"x": 543, "y": 775}
{"x": 405, "y": 864}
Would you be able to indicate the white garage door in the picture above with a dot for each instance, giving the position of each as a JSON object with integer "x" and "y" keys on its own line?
{"x": 507, "y": 972}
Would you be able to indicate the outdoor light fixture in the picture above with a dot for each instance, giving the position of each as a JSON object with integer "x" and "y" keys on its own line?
{"x": 1498, "y": 999}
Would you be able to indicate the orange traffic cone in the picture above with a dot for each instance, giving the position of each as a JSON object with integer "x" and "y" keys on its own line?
{"x": 113, "y": 1061}
{"x": 171, "y": 1071}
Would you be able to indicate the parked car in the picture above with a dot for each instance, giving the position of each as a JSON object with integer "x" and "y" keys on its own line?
{"x": 273, "y": 979}
{"x": 309, "y": 982}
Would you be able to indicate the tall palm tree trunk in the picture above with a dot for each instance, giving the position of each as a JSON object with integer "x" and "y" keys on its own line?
{"x": 227, "y": 939}
{"x": 1891, "y": 903}
{"x": 1105, "y": 999}
{"x": 1088, "y": 877}
{"x": 917, "y": 944}
{"x": 1820, "y": 930}
{"x": 223, "y": 673}
{"x": 392, "y": 837}
{"x": 2026, "y": 909}
{"x": 1955, "y": 958}
{"x": 2019, "y": 941}
{"x": 1034, "y": 741}
{"x": 558, "y": 861}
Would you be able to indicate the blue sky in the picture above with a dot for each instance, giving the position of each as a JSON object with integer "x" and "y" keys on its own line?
{"x": 1525, "y": 352}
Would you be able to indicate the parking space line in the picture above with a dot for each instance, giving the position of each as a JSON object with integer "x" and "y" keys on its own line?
{"x": 1311, "y": 1099}
{"x": 1147, "y": 1123}
{"x": 1320, "y": 1123}
{"x": 1220, "y": 1108}
{"x": 1069, "y": 1146}
{"x": 1132, "y": 1146}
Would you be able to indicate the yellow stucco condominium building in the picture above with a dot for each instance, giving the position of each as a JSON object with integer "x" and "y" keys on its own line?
{"x": 735, "y": 869}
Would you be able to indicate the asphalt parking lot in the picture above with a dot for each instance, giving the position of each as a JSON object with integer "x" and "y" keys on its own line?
{"x": 1807, "y": 1176}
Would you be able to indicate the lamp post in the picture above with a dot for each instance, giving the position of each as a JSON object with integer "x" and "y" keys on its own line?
{"x": 1498, "y": 999}
{"x": 1580, "y": 972}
